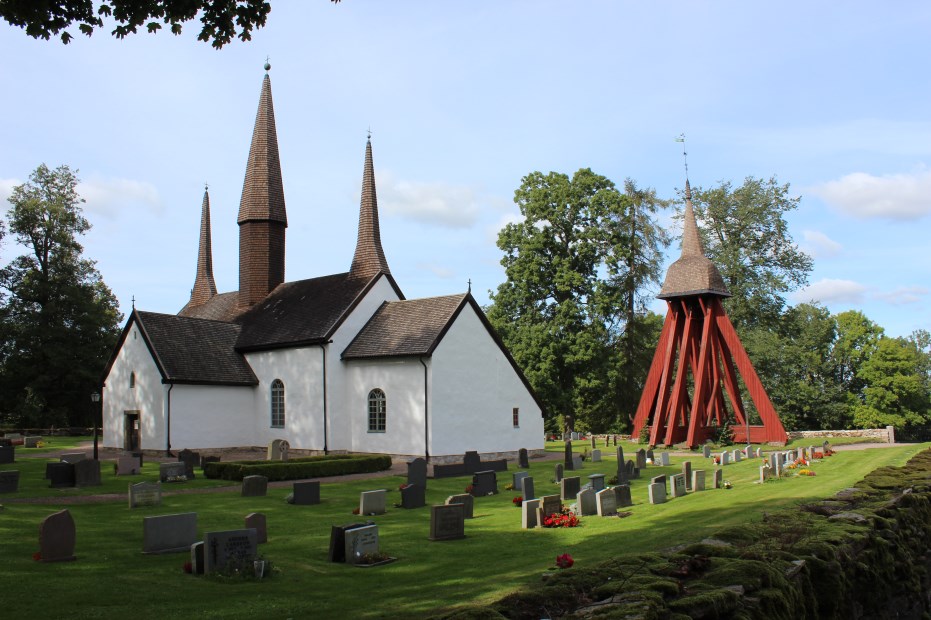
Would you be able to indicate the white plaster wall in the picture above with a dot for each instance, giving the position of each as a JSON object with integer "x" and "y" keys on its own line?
{"x": 301, "y": 371}
{"x": 402, "y": 381}
{"x": 147, "y": 397}
{"x": 211, "y": 416}
{"x": 474, "y": 390}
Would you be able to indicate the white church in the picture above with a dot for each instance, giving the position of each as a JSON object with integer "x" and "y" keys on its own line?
{"x": 334, "y": 364}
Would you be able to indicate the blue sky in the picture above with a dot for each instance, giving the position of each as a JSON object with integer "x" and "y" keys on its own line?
{"x": 463, "y": 100}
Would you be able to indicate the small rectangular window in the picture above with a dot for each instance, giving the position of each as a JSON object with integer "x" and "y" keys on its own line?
{"x": 516, "y": 414}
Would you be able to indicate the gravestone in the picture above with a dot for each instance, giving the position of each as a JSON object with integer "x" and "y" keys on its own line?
{"x": 706, "y": 451}
{"x": 484, "y": 483}
{"x": 621, "y": 466}
{"x": 664, "y": 459}
{"x": 657, "y": 493}
{"x": 596, "y": 456}
{"x": 472, "y": 462}
{"x": 360, "y": 541}
{"x": 257, "y": 521}
{"x": 687, "y": 472}
{"x": 698, "y": 480}
{"x": 586, "y": 502}
{"x": 237, "y": 547}
{"x": 306, "y": 493}
{"x": 417, "y": 472}
{"x": 651, "y": 458}
{"x": 606, "y": 503}
{"x": 517, "y": 480}
{"x": 748, "y": 451}
{"x": 597, "y": 482}
{"x": 622, "y": 496}
{"x": 559, "y": 472}
{"x": 718, "y": 478}
{"x": 31, "y": 441}
{"x": 569, "y": 487}
{"x": 805, "y": 453}
{"x": 337, "y": 551}
{"x": 641, "y": 459}
{"x": 615, "y": 440}
{"x": 773, "y": 460}
{"x": 529, "y": 492}
{"x": 725, "y": 458}
{"x": 522, "y": 461}
{"x": 549, "y": 505}
{"x": 766, "y": 472}
{"x": 190, "y": 460}
{"x": 57, "y": 537}
{"x": 759, "y": 451}
{"x": 576, "y": 462}
{"x": 278, "y": 450}
{"x": 568, "y": 461}
{"x": 677, "y": 484}
{"x": 467, "y": 501}
{"x": 447, "y": 522}
{"x": 169, "y": 533}
{"x": 172, "y": 472}
{"x": 574, "y": 436}
{"x": 7, "y": 455}
{"x": 825, "y": 447}
{"x": 777, "y": 470}
{"x": 145, "y": 494}
{"x": 738, "y": 456}
{"x": 528, "y": 513}
{"x": 372, "y": 502}
{"x": 139, "y": 455}
{"x": 659, "y": 480}
{"x": 9, "y": 481}
{"x": 127, "y": 466}
{"x": 87, "y": 473}
{"x": 254, "y": 486}
{"x": 632, "y": 470}
{"x": 413, "y": 496}
{"x": 197, "y": 558}
{"x": 72, "y": 457}
{"x": 60, "y": 475}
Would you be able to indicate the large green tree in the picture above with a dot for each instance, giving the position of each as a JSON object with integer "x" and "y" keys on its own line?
{"x": 60, "y": 321}
{"x": 895, "y": 393}
{"x": 571, "y": 264}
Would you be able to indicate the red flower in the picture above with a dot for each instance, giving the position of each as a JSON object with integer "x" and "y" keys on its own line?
{"x": 469, "y": 489}
{"x": 564, "y": 561}
{"x": 517, "y": 501}
{"x": 188, "y": 567}
{"x": 355, "y": 511}
{"x": 37, "y": 556}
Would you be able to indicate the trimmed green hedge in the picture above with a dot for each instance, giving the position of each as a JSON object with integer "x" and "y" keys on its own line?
{"x": 297, "y": 469}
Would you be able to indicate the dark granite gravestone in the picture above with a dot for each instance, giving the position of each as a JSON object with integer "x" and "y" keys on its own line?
{"x": 197, "y": 558}
{"x": 687, "y": 472}
{"x": 138, "y": 455}
{"x": 549, "y": 505}
{"x": 9, "y": 481}
{"x": 650, "y": 456}
{"x": 72, "y": 457}
{"x": 593, "y": 443}
{"x": 659, "y": 480}
{"x": 472, "y": 461}
{"x": 254, "y": 486}
{"x": 190, "y": 460}
{"x": 570, "y": 487}
{"x": 567, "y": 459}
{"x": 56, "y": 537}
{"x": 417, "y": 472}
{"x": 447, "y": 522}
{"x": 169, "y": 533}
{"x": 145, "y": 494}
{"x": 484, "y": 483}
{"x": 597, "y": 482}
{"x": 450, "y": 470}
{"x": 172, "y": 472}
{"x": 413, "y": 496}
{"x": 641, "y": 459}
{"x": 306, "y": 493}
{"x": 60, "y": 475}
{"x": 258, "y": 522}
{"x": 559, "y": 472}
{"x": 127, "y": 466}
{"x": 361, "y": 541}
{"x": 87, "y": 473}
{"x": 632, "y": 471}
{"x": 231, "y": 546}
{"x": 622, "y": 495}
{"x": 337, "y": 552}
{"x": 528, "y": 491}
{"x": 7, "y": 455}
{"x": 621, "y": 466}
{"x": 467, "y": 501}
{"x": 522, "y": 461}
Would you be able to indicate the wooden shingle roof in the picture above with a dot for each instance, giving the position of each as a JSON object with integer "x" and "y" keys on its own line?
{"x": 263, "y": 190}
{"x": 369, "y": 258}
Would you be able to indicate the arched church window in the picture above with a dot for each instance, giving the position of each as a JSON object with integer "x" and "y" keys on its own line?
{"x": 377, "y": 411}
{"x": 277, "y": 404}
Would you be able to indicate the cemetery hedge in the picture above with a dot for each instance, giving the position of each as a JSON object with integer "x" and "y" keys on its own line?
{"x": 297, "y": 469}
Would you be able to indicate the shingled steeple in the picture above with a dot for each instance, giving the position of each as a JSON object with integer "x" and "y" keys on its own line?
{"x": 262, "y": 217}
{"x": 369, "y": 258}
{"x": 204, "y": 286}
{"x": 693, "y": 273}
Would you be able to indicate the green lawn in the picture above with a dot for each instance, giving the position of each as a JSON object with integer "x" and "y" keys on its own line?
{"x": 111, "y": 577}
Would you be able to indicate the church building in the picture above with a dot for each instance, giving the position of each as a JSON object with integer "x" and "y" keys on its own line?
{"x": 336, "y": 363}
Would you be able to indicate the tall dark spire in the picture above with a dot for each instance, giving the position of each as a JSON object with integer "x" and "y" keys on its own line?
{"x": 204, "y": 285}
{"x": 262, "y": 216}
{"x": 369, "y": 258}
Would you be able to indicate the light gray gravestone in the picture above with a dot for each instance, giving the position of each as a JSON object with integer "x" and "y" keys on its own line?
{"x": 738, "y": 456}
{"x": 659, "y": 480}
{"x": 257, "y": 521}
{"x": 576, "y": 462}
{"x": 306, "y": 493}
{"x": 677, "y": 484}
{"x": 417, "y": 472}
{"x": 372, "y": 502}
{"x": 57, "y": 537}
{"x": 759, "y": 451}
{"x": 528, "y": 513}
{"x": 777, "y": 470}
{"x": 254, "y": 486}
{"x": 748, "y": 451}
{"x": 606, "y": 503}
{"x": 278, "y": 450}
{"x": 169, "y": 533}
{"x": 718, "y": 478}
{"x": 569, "y": 487}
{"x": 87, "y": 473}
{"x": 528, "y": 488}
{"x": 664, "y": 459}
{"x": 9, "y": 481}
{"x": 597, "y": 482}
{"x": 447, "y": 522}
{"x": 145, "y": 494}
{"x": 197, "y": 558}
{"x": 766, "y": 472}
{"x": 622, "y": 496}
{"x": 596, "y": 456}
{"x": 31, "y": 441}
{"x": 725, "y": 458}
{"x": 522, "y": 460}
{"x": 698, "y": 480}
{"x": 657, "y": 493}
{"x": 127, "y": 466}
{"x": 641, "y": 459}
{"x": 467, "y": 501}
{"x": 559, "y": 472}
{"x": 687, "y": 472}
{"x": 73, "y": 457}
{"x": 706, "y": 451}
{"x": 517, "y": 480}
{"x": 361, "y": 541}
{"x": 238, "y": 547}
{"x": 574, "y": 436}
{"x": 586, "y": 501}
{"x": 172, "y": 472}
{"x": 811, "y": 451}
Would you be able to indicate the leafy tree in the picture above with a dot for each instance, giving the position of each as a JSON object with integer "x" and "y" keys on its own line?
{"x": 220, "y": 21}
{"x": 895, "y": 393}
{"x": 60, "y": 321}
{"x": 857, "y": 339}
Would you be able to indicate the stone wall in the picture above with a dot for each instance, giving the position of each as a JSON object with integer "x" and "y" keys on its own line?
{"x": 881, "y": 435}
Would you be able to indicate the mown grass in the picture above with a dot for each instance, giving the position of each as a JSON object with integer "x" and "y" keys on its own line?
{"x": 112, "y": 578}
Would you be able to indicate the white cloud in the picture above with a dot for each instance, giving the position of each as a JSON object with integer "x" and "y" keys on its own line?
{"x": 110, "y": 197}
{"x": 437, "y": 203}
{"x": 828, "y": 291}
{"x": 904, "y": 295}
{"x": 892, "y": 196}
{"x": 819, "y": 245}
{"x": 6, "y": 189}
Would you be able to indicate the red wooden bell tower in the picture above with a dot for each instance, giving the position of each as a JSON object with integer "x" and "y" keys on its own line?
{"x": 698, "y": 342}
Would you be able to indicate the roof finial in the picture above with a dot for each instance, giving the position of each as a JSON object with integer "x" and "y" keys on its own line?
{"x": 268, "y": 65}
{"x": 134, "y": 302}
{"x": 370, "y": 133}
{"x": 206, "y": 186}
{"x": 685, "y": 156}
{"x": 470, "y": 285}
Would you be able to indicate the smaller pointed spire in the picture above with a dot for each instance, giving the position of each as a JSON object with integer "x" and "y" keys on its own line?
{"x": 204, "y": 286}
{"x": 369, "y": 258}
{"x": 691, "y": 240}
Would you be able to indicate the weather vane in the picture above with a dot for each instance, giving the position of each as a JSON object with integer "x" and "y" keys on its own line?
{"x": 268, "y": 65}
{"x": 685, "y": 156}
